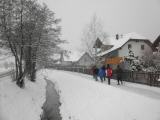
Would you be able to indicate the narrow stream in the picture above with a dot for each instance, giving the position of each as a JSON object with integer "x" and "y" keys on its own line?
{"x": 51, "y": 109}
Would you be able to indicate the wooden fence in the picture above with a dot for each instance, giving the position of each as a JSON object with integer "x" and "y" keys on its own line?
{"x": 148, "y": 78}
{"x": 8, "y": 73}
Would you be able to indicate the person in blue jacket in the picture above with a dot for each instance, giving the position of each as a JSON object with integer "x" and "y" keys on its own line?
{"x": 102, "y": 73}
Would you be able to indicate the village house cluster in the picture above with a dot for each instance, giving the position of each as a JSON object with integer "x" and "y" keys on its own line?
{"x": 119, "y": 47}
{"x": 114, "y": 50}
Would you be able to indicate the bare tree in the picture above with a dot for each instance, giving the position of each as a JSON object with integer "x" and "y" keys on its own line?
{"x": 30, "y": 31}
{"x": 91, "y": 32}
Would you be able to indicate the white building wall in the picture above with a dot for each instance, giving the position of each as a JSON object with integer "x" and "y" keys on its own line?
{"x": 136, "y": 48}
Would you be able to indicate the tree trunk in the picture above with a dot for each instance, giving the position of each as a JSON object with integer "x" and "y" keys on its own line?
{"x": 16, "y": 65}
{"x": 33, "y": 74}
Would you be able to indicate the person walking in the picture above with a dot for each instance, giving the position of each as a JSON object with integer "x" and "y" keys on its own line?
{"x": 109, "y": 73}
{"x": 101, "y": 73}
{"x": 95, "y": 72}
{"x": 104, "y": 73}
{"x": 119, "y": 74}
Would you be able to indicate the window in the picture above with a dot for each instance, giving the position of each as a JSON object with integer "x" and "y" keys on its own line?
{"x": 129, "y": 46}
{"x": 142, "y": 47}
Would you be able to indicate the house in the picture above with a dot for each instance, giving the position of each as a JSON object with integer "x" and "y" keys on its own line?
{"x": 156, "y": 52}
{"x": 122, "y": 44}
{"x": 85, "y": 60}
{"x": 156, "y": 44}
{"x": 59, "y": 58}
{"x": 98, "y": 43}
{"x": 100, "y": 46}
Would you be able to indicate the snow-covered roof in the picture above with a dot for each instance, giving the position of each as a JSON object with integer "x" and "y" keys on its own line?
{"x": 73, "y": 56}
{"x": 121, "y": 41}
{"x": 85, "y": 54}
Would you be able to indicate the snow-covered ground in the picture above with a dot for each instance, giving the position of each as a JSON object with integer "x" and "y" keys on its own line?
{"x": 81, "y": 98}
{"x": 22, "y": 104}
{"x": 17, "y": 103}
{"x": 6, "y": 62}
{"x": 84, "y": 99}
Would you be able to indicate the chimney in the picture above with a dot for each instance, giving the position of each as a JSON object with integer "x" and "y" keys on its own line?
{"x": 117, "y": 36}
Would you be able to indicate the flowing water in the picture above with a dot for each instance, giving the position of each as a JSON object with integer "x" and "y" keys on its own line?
{"x": 51, "y": 109}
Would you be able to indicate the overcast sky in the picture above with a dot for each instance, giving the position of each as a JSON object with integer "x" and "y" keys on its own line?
{"x": 117, "y": 16}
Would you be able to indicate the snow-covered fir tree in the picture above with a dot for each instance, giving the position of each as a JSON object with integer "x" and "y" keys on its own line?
{"x": 134, "y": 61}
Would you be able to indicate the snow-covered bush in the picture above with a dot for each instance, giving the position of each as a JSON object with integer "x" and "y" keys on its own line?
{"x": 148, "y": 63}
{"x": 151, "y": 63}
{"x": 149, "y": 69}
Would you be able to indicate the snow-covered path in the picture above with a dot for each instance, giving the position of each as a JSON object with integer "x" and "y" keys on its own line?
{"x": 144, "y": 90}
{"x": 84, "y": 99}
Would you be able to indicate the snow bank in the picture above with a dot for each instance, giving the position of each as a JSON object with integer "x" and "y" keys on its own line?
{"x": 6, "y": 63}
{"x": 22, "y": 104}
{"x": 84, "y": 99}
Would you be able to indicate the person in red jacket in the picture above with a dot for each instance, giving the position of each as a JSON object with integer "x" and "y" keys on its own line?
{"x": 109, "y": 73}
